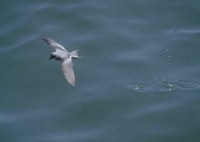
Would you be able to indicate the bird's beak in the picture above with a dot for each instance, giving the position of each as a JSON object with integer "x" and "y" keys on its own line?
{"x": 50, "y": 57}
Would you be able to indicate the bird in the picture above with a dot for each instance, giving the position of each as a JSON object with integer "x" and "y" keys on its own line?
{"x": 65, "y": 57}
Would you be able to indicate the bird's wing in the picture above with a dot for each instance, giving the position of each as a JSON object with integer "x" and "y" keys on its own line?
{"x": 67, "y": 68}
{"x": 54, "y": 44}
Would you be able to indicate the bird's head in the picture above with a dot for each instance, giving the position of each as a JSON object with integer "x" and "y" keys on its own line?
{"x": 52, "y": 56}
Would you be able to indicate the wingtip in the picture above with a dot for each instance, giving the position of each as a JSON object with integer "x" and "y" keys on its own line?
{"x": 44, "y": 36}
{"x": 73, "y": 84}
{"x": 46, "y": 39}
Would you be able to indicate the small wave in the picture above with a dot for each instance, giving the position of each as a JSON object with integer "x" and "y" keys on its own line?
{"x": 189, "y": 31}
{"x": 165, "y": 86}
{"x": 184, "y": 31}
{"x": 18, "y": 44}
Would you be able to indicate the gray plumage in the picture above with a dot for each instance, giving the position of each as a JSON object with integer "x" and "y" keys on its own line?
{"x": 61, "y": 54}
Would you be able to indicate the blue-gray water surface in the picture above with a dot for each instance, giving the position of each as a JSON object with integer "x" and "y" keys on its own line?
{"x": 139, "y": 80}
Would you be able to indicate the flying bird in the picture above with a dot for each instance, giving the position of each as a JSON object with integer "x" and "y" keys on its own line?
{"x": 61, "y": 54}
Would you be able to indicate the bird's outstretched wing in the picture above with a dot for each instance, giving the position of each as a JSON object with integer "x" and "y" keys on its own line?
{"x": 67, "y": 68}
{"x": 54, "y": 44}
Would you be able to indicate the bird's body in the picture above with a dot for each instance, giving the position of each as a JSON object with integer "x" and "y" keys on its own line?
{"x": 61, "y": 54}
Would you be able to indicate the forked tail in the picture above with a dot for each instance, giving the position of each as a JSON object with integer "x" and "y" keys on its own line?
{"x": 74, "y": 54}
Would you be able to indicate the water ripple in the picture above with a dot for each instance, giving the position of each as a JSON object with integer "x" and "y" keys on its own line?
{"x": 165, "y": 86}
{"x": 20, "y": 18}
{"x": 19, "y": 43}
{"x": 14, "y": 118}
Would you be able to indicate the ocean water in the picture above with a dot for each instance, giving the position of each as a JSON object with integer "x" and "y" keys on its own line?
{"x": 139, "y": 80}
